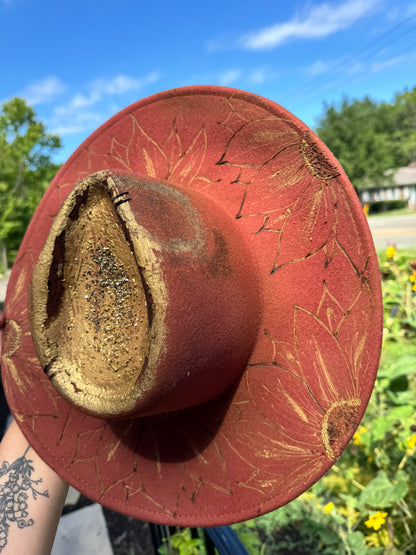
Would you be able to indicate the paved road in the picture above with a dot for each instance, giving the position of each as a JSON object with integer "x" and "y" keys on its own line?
{"x": 399, "y": 231}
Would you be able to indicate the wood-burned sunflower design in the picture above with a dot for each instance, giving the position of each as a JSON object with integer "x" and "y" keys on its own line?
{"x": 289, "y": 189}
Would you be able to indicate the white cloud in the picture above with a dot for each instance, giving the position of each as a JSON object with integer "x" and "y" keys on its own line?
{"x": 318, "y": 68}
{"x": 257, "y": 76}
{"x": 82, "y": 101}
{"x": 261, "y": 75}
{"x": 43, "y": 91}
{"x": 110, "y": 87}
{"x": 118, "y": 85}
{"x": 225, "y": 42}
{"x": 234, "y": 77}
{"x": 378, "y": 66}
{"x": 229, "y": 77}
{"x": 124, "y": 83}
{"x": 81, "y": 113}
{"x": 317, "y": 21}
{"x": 76, "y": 123}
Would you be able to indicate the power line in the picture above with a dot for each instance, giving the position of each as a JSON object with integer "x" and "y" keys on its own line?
{"x": 318, "y": 82}
{"x": 356, "y": 77}
{"x": 354, "y": 56}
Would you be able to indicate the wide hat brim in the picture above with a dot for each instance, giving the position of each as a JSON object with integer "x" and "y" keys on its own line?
{"x": 311, "y": 373}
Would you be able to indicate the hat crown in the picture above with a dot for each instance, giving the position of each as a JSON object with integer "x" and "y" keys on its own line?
{"x": 144, "y": 299}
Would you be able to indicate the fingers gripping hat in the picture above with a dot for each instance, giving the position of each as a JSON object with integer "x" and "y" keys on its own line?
{"x": 194, "y": 316}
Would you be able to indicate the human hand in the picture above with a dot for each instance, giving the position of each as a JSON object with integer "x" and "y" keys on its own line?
{"x": 44, "y": 507}
{"x": 2, "y": 322}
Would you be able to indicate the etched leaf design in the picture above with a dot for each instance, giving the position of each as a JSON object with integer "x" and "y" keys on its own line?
{"x": 186, "y": 169}
{"x": 254, "y": 144}
{"x": 325, "y": 368}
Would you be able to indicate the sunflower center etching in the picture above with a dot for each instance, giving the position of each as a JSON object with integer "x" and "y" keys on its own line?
{"x": 340, "y": 421}
{"x": 315, "y": 160}
{"x": 12, "y": 338}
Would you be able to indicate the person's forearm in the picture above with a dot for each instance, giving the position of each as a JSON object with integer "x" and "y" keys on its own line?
{"x": 31, "y": 498}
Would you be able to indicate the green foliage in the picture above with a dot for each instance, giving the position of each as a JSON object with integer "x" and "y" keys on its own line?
{"x": 26, "y": 169}
{"x": 405, "y": 115}
{"x": 387, "y": 205}
{"x": 398, "y": 270}
{"x": 299, "y": 528}
{"x": 366, "y": 503}
{"x": 369, "y": 138}
{"x": 182, "y": 543}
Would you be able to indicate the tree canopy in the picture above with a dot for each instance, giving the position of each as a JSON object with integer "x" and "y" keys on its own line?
{"x": 26, "y": 168}
{"x": 369, "y": 138}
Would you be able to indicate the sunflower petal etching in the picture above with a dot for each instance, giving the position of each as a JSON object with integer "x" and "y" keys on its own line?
{"x": 322, "y": 381}
{"x": 330, "y": 311}
{"x": 186, "y": 168}
{"x": 239, "y": 114}
{"x": 326, "y": 371}
{"x": 288, "y": 186}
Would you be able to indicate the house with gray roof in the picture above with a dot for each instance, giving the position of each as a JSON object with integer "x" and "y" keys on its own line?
{"x": 399, "y": 185}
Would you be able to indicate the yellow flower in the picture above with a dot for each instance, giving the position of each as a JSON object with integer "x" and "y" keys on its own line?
{"x": 411, "y": 441}
{"x": 328, "y": 507}
{"x": 335, "y": 483}
{"x": 376, "y": 521}
{"x": 390, "y": 252}
{"x": 414, "y": 287}
{"x": 357, "y": 436}
{"x": 378, "y": 539}
{"x": 350, "y": 514}
{"x": 412, "y": 278}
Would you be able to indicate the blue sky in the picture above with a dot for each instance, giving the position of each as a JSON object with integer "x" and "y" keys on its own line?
{"x": 80, "y": 62}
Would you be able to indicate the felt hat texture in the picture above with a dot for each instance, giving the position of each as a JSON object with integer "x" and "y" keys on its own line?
{"x": 194, "y": 317}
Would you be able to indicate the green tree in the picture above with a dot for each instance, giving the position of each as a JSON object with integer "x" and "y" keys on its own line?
{"x": 362, "y": 134}
{"x": 405, "y": 123}
{"x": 26, "y": 168}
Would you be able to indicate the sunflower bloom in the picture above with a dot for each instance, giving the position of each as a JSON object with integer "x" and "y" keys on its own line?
{"x": 376, "y": 521}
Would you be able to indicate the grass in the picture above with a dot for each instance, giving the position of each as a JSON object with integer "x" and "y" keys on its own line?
{"x": 402, "y": 212}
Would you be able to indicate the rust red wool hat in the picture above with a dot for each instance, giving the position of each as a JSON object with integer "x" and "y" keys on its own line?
{"x": 193, "y": 321}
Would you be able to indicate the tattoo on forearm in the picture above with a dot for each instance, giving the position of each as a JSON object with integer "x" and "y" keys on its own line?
{"x": 16, "y": 485}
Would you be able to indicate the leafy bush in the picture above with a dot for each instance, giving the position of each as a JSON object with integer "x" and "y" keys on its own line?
{"x": 398, "y": 272}
{"x": 182, "y": 543}
{"x": 385, "y": 205}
